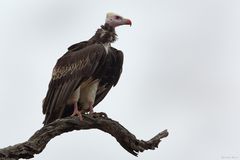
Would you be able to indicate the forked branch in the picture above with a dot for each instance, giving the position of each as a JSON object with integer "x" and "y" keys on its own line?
{"x": 39, "y": 140}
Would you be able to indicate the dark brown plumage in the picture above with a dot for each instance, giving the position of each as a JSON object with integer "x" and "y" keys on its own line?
{"x": 84, "y": 63}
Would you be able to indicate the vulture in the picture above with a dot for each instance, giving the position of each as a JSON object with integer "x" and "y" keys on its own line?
{"x": 84, "y": 75}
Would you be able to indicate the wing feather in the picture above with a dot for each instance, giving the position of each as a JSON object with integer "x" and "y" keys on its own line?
{"x": 115, "y": 73}
{"x": 69, "y": 72}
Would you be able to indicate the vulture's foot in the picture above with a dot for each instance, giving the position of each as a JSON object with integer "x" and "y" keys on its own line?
{"x": 76, "y": 112}
{"x": 100, "y": 114}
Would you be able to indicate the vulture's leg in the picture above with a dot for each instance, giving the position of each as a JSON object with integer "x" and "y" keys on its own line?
{"x": 73, "y": 99}
{"x": 90, "y": 107}
{"x": 93, "y": 93}
{"x": 88, "y": 95}
{"x": 77, "y": 112}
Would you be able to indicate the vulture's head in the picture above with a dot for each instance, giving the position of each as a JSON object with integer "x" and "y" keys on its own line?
{"x": 115, "y": 20}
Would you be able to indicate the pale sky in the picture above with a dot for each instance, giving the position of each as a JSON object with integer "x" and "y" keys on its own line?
{"x": 181, "y": 73}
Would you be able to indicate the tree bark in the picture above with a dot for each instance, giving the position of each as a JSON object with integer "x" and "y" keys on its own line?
{"x": 39, "y": 140}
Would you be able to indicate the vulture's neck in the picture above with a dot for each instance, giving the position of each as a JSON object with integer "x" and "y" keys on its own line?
{"x": 104, "y": 35}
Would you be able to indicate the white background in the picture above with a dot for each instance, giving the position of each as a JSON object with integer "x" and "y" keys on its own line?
{"x": 181, "y": 73}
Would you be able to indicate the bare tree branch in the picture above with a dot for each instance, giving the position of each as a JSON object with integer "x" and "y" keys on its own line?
{"x": 39, "y": 140}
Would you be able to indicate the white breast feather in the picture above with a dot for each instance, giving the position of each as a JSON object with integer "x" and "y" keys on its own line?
{"x": 106, "y": 46}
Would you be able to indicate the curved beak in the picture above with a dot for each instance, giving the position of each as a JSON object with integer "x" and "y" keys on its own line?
{"x": 127, "y": 22}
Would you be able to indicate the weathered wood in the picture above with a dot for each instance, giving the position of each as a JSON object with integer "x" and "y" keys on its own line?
{"x": 100, "y": 121}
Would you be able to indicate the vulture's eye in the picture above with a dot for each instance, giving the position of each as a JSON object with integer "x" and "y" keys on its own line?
{"x": 118, "y": 17}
